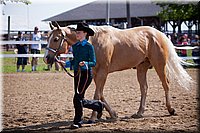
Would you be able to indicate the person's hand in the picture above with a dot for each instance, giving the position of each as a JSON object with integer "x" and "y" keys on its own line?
{"x": 82, "y": 63}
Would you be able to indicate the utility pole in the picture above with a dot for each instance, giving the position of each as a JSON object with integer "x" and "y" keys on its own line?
{"x": 27, "y": 17}
{"x": 108, "y": 12}
{"x": 7, "y": 46}
{"x": 8, "y": 27}
{"x": 128, "y": 13}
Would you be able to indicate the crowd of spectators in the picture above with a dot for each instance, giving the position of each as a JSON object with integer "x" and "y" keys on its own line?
{"x": 185, "y": 40}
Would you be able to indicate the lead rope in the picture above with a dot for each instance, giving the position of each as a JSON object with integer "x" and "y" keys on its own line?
{"x": 57, "y": 60}
{"x": 79, "y": 73}
{"x": 85, "y": 81}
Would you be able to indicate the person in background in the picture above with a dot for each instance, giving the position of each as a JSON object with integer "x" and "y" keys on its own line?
{"x": 182, "y": 41}
{"x": 174, "y": 38}
{"x": 21, "y": 49}
{"x": 185, "y": 36}
{"x": 35, "y": 48}
{"x": 196, "y": 52}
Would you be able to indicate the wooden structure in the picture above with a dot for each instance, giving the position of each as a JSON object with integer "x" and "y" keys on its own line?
{"x": 114, "y": 13}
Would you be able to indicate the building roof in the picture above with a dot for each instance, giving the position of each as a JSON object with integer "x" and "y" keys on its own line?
{"x": 97, "y": 10}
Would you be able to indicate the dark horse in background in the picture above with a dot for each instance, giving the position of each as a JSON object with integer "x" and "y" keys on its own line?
{"x": 116, "y": 50}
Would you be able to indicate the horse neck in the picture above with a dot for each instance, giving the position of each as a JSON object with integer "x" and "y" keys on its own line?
{"x": 71, "y": 40}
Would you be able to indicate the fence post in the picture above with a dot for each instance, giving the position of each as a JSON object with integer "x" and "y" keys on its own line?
{"x": 7, "y": 46}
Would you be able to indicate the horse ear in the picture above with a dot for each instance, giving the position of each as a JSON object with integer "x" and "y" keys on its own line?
{"x": 57, "y": 25}
{"x": 51, "y": 26}
{"x": 67, "y": 30}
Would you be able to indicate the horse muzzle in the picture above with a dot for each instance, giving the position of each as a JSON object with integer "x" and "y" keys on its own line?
{"x": 49, "y": 59}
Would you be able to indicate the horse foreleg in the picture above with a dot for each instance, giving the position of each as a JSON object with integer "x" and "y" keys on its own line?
{"x": 141, "y": 76}
{"x": 112, "y": 113}
{"x": 100, "y": 79}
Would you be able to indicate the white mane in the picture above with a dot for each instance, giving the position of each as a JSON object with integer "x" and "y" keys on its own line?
{"x": 97, "y": 28}
{"x": 103, "y": 28}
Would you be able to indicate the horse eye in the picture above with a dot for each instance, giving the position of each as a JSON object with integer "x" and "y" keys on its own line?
{"x": 56, "y": 39}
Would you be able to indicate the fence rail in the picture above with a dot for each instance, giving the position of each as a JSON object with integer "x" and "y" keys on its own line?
{"x": 22, "y": 42}
{"x": 68, "y": 56}
{"x": 32, "y": 55}
{"x": 187, "y": 47}
{"x": 45, "y": 42}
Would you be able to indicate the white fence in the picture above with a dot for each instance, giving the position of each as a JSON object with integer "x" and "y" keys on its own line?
{"x": 26, "y": 55}
{"x": 70, "y": 55}
{"x": 31, "y": 55}
{"x": 22, "y": 42}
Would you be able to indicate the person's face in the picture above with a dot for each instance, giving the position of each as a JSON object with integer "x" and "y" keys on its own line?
{"x": 19, "y": 35}
{"x": 80, "y": 35}
{"x": 35, "y": 30}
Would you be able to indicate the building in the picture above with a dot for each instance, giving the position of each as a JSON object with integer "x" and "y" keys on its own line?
{"x": 114, "y": 13}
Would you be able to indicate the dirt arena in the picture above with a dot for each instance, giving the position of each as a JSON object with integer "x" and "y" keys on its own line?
{"x": 42, "y": 102}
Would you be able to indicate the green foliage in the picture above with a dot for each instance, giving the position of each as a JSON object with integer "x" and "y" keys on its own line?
{"x": 16, "y": 1}
{"x": 179, "y": 11}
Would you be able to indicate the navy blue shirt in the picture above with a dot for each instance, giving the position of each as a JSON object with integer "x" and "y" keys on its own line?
{"x": 22, "y": 49}
{"x": 83, "y": 51}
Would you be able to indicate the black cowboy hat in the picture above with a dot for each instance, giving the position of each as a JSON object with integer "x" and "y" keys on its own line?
{"x": 84, "y": 27}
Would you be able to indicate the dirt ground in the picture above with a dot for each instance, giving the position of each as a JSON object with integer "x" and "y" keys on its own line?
{"x": 42, "y": 102}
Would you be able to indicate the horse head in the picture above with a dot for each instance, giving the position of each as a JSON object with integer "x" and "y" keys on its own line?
{"x": 58, "y": 42}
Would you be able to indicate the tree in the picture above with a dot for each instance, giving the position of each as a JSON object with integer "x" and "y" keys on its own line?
{"x": 180, "y": 12}
{"x": 16, "y": 1}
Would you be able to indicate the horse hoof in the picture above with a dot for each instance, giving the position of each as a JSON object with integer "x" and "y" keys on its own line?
{"x": 136, "y": 116}
{"x": 172, "y": 112}
{"x": 114, "y": 115}
{"x": 110, "y": 119}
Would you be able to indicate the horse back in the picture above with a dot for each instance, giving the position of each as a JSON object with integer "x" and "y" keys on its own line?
{"x": 121, "y": 49}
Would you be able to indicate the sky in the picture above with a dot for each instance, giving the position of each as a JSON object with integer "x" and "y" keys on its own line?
{"x": 26, "y": 17}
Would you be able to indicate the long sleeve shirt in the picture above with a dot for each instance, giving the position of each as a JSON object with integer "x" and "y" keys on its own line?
{"x": 83, "y": 51}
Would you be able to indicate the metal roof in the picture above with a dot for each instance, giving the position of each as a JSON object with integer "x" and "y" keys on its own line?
{"x": 97, "y": 10}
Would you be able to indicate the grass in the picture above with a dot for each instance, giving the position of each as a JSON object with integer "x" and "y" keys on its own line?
{"x": 9, "y": 64}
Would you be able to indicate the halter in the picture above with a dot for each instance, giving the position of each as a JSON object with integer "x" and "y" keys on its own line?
{"x": 55, "y": 51}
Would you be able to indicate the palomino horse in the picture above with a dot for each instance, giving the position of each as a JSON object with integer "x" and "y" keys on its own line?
{"x": 116, "y": 50}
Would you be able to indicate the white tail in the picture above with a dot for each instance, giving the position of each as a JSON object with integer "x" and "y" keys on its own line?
{"x": 174, "y": 68}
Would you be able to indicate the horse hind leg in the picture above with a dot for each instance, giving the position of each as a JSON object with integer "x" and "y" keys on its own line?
{"x": 161, "y": 71}
{"x": 158, "y": 57}
{"x": 141, "y": 76}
